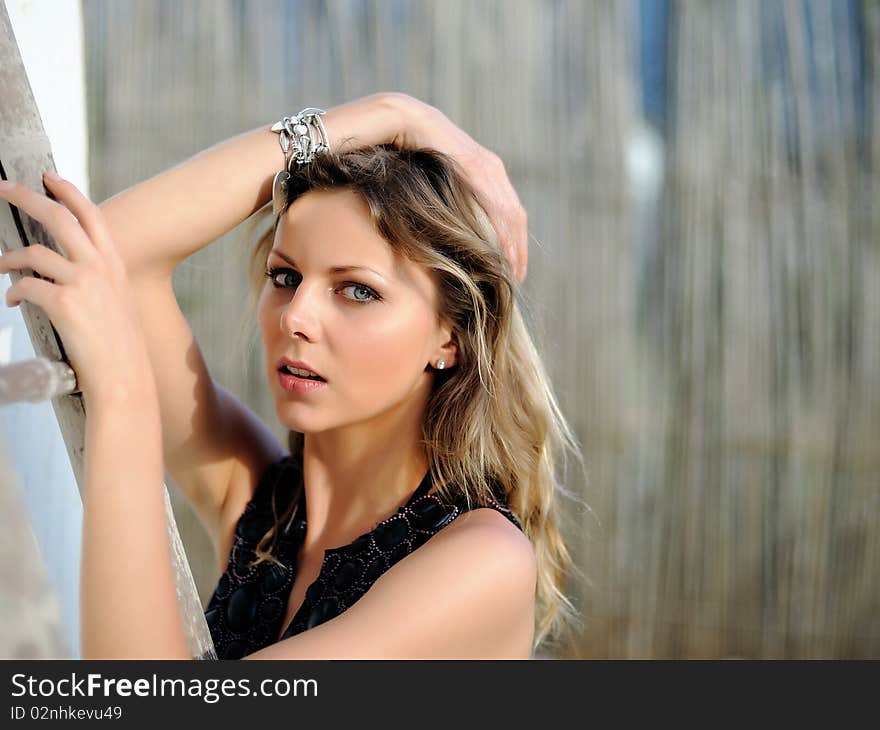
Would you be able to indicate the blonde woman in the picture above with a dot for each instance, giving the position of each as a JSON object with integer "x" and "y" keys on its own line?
{"x": 414, "y": 511}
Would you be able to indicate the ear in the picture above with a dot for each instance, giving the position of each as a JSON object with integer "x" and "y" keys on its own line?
{"x": 447, "y": 350}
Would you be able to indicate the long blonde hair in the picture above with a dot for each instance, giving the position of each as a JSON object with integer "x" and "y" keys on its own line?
{"x": 493, "y": 419}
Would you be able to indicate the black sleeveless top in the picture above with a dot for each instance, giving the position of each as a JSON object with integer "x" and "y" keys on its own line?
{"x": 248, "y": 605}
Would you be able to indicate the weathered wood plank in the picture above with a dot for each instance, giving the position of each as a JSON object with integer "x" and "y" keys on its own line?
{"x": 35, "y": 380}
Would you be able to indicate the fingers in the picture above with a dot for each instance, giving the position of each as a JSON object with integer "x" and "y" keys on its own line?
{"x": 507, "y": 214}
{"x": 521, "y": 236}
{"x": 35, "y": 291}
{"x": 39, "y": 258}
{"x": 57, "y": 219}
{"x": 517, "y": 241}
{"x": 87, "y": 213}
{"x": 506, "y": 241}
{"x": 512, "y": 227}
{"x": 516, "y": 220}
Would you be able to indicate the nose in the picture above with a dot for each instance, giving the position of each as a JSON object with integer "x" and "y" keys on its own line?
{"x": 299, "y": 317}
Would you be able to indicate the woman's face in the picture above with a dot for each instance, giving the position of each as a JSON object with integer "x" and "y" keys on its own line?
{"x": 371, "y": 331}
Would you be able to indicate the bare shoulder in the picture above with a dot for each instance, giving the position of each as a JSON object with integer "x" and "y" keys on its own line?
{"x": 482, "y": 544}
{"x": 498, "y": 537}
{"x": 491, "y": 568}
{"x": 467, "y": 593}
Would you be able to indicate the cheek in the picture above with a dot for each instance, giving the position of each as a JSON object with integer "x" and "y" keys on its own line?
{"x": 387, "y": 355}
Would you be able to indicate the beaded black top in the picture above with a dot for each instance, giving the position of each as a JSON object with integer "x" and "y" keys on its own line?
{"x": 248, "y": 605}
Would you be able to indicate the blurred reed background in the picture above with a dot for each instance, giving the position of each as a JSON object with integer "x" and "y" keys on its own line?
{"x": 701, "y": 180}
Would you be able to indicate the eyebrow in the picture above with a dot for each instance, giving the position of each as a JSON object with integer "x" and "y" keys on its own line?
{"x": 332, "y": 269}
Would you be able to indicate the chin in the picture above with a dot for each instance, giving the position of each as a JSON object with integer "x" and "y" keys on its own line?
{"x": 292, "y": 417}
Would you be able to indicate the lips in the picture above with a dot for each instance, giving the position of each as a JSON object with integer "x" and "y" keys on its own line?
{"x": 300, "y": 364}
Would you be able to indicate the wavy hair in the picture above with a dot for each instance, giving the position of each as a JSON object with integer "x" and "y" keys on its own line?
{"x": 492, "y": 422}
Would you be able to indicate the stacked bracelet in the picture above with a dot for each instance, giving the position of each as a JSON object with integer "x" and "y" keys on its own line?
{"x": 295, "y": 135}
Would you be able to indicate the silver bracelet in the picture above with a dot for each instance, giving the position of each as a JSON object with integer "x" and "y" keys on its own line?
{"x": 300, "y": 145}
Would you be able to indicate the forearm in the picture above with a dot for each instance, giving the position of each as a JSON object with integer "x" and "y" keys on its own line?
{"x": 158, "y": 223}
{"x": 128, "y": 600}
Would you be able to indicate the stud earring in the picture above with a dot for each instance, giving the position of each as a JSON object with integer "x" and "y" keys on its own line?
{"x": 441, "y": 364}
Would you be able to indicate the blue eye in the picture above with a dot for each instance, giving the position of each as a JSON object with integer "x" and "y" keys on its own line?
{"x": 371, "y": 295}
{"x": 367, "y": 294}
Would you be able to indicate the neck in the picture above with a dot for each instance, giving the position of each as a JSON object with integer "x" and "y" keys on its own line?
{"x": 359, "y": 475}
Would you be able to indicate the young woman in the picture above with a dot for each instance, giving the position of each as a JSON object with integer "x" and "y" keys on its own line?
{"x": 414, "y": 511}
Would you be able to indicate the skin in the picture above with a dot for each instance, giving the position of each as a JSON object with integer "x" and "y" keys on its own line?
{"x": 362, "y": 455}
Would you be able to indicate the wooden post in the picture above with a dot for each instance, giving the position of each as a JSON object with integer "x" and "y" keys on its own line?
{"x": 24, "y": 156}
{"x": 35, "y": 380}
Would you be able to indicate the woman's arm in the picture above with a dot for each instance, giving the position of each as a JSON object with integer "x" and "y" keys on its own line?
{"x": 161, "y": 221}
{"x": 128, "y": 602}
